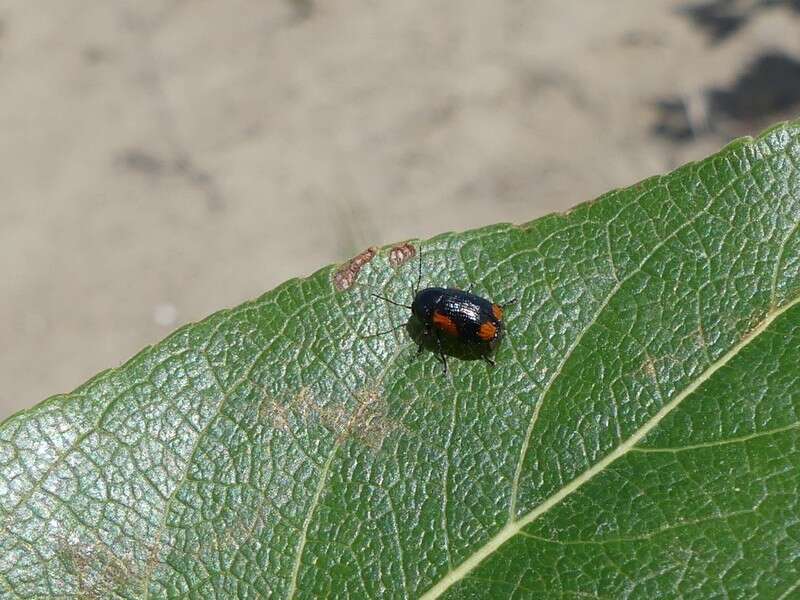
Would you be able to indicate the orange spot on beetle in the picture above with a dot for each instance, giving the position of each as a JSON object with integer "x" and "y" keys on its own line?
{"x": 445, "y": 323}
{"x": 497, "y": 311}
{"x": 487, "y": 331}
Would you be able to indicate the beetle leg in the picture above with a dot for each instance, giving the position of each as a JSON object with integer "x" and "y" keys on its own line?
{"x": 426, "y": 333}
{"x": 441, "y": 352}
{"x": 488, "y": 360}
{"x": 509, "y": 303}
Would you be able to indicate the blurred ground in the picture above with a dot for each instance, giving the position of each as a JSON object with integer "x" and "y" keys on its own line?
{"x": 162, "y": 159}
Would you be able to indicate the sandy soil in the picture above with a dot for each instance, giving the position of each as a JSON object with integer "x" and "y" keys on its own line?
{"x": 162, "y": 159}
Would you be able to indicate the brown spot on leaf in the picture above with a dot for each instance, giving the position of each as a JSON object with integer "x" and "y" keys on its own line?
{"x": 368, "y": 422}
{"x": 401, "y": 254}
{"x": 649, "y": 367}
{"x": 346, "y": 275}
{"x": 101, "y": 573}
{"x": 278, "y": 413}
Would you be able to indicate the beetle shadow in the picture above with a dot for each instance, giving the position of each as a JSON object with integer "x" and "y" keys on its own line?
{"x": 451, "y": 347}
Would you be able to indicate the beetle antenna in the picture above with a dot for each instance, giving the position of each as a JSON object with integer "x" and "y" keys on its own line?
{"x": 419, "y": 277}
{"x": 372, "y": 335}
{"x": 392, "y": 301}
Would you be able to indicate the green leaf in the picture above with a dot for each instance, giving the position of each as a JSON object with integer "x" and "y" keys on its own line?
{"x": 638, "y": 437}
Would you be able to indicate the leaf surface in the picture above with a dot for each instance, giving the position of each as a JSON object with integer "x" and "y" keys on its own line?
{"x": 638, "y": 437}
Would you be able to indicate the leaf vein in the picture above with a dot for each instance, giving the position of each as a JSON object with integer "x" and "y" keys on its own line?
{"x": 301, "y": 545}
{"x": 715, "y": 443}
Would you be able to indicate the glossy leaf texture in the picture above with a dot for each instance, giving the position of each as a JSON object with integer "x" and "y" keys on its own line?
{"x": 638, "y": 438}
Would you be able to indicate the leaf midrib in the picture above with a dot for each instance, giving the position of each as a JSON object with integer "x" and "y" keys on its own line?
{"x": 512, "y": 528}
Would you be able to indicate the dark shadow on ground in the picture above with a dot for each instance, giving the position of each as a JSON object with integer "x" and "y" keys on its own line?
{"x": 767, "y": 90}
{"x": 721, "y": 19}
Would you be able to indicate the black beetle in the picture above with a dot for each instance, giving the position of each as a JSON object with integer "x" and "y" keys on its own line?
{"x": 455, "y": 313}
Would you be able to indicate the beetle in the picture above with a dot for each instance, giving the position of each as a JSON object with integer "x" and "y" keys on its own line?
{"x": 457, "y": 314}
